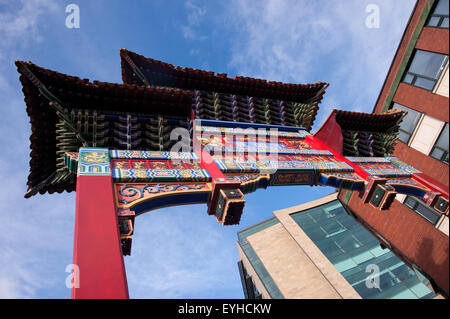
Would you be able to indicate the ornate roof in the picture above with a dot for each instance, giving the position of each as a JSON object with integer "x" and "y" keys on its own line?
{"x": 369, "y": 122}
{"x": 218, "y": 97}
{"x": 137, "y": 69}
{"x": 361, "y": 134}
{"x": 67, "y": 112}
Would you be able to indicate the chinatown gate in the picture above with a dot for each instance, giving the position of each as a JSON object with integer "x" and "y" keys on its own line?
{"x": 173, "y": 136}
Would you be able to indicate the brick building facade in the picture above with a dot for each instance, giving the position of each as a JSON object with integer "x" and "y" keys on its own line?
{"x": 417, "y": 82}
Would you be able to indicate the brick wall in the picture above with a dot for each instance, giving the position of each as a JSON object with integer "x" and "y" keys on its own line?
{"x": 422, "y": 101}
{"x": 398, "y": 59}
{"x": 431, "y": 167}
{"x": 433, "y": 39}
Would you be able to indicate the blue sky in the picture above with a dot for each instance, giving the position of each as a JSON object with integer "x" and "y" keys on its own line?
{"x": 178, "y": 252}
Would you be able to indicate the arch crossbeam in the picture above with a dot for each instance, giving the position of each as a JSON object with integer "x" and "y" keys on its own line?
{"x": 232, "y": 159}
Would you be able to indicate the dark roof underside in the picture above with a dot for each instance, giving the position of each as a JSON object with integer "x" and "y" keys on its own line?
{"x": 368, "y": 122}
{"x": 81, "y": 100}
{"x": 160, "y": 73}
{"x": 368, "y": 134}
{"x": 67, "y": 112}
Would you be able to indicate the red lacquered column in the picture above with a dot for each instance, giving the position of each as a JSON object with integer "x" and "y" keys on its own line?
{"x": 97, "y": 248}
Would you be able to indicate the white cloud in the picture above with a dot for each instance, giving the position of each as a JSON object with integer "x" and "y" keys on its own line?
{"x": 195, "y": 14}
{"x": 9, "y": 289}
{"x": 20, "y": 21}
{"x": 34, "y": 233}
{"x": 309, "y": 41}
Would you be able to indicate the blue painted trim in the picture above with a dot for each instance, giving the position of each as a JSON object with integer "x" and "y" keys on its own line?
{"x": 170, "y": 200}
{"x": 409, "y": 190}
{"x": 216, "y": 123}
{"x": 336, "y": 182}
{"x": 153, "y": 155}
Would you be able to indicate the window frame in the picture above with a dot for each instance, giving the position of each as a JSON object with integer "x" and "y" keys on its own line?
{"x": 446, "y": 152}
{"x": 420, "y": 76}
{"x": 410, "y": 135}
{"x": 437, "y": 15}
{"x": 418, "y": 203}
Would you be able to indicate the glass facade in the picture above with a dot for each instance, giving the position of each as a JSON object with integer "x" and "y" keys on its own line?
{"x": 250, "y": 290}
{"x": 356, "y": 254}
{"x": 256, "y": 263}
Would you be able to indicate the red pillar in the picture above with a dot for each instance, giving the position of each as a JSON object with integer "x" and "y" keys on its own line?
{"x": 97, "y": 248}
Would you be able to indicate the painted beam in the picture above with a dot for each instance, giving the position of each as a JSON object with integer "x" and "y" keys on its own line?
{"x": 319, "y": 145}
{"x": 231, "y": 124}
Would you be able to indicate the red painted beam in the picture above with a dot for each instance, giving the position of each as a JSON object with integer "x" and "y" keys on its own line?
{"x": 97, "y": 247}
{"x": 431, "y": 183}
{"x": 207, "y": 162}
{"x": 319, "y": 145}
{"x": 419, "y": 177}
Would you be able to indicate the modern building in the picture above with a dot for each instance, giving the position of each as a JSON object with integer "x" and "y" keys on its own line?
{"x": 318, "y": 250}
{"x": 417, "y": 82}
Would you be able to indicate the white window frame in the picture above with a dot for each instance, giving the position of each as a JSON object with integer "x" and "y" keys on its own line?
{"x": 441, "y": 78}
{"x": 434, "y": 138}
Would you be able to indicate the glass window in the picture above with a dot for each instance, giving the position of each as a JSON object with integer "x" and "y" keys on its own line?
{"x": 352, "y": 249}
{"x": 329, "y": 247}
{"x": 254, "y": 260}
{"x": 347, "y": 243}
{"x": 440, "y": 148}
{"x": 408, "y": 124}
{"x": 365, "y": 237}
{"x": 425, "y": 69}
{"x": 445, "y": 23}
{"x": 410, "y": 202}
{"x": 332, "y": 227}
{"x": 420, "y": 208}
{"x": 403, "y": 272}
{"x": 439, "y": 16}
